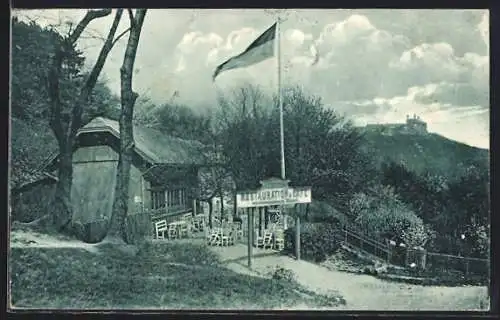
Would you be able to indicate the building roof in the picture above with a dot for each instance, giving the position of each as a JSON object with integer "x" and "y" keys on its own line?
{"x": 153, "y": 145}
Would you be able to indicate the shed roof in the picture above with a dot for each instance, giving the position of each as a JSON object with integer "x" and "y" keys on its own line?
{"x": 151, "y": 144}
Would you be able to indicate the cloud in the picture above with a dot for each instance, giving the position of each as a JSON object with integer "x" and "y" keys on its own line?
{"x": 374, "y": 65}
{"x": 457, "y": 94}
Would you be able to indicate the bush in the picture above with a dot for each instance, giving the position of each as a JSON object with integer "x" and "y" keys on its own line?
{"x": 317, "y": 241}
{"x": 380, "y": 212}
{"x": 283, "y": 274}
{"x": 320, "y": 211}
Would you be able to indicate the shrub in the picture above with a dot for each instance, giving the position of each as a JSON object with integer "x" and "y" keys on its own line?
{"x": 280, "y": 273}
{"x": 382, "y": 213}
{"x": 320, "y": 211}
{"x": 317, "y": 241}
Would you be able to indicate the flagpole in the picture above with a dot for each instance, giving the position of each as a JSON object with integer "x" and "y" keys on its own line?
{"x": 280, "y": 98}
{"x": 280, "y": 106}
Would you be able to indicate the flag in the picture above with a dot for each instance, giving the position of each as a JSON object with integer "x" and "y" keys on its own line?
{"x": 261, "y": 49}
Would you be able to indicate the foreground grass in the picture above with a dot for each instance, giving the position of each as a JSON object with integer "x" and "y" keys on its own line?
{"x": 165, "y": 276}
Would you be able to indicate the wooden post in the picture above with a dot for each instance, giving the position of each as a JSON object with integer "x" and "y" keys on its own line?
{"x": 284, "y": 217}
{"x": 260, "y": 221}
{"x": 466, "y": 266}
{"x": 266, "y": 218}
{"x": 250, "y": 236}
{"x": 297, "y": 234}
{"x": 407, "y": 258}
{"x": 389, "y": 252}
{"x": 194, "y": 207}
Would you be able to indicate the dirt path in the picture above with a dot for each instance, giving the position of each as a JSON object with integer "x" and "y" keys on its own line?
{"x": 364, "y": 292}
{"x": 23, "y": 239}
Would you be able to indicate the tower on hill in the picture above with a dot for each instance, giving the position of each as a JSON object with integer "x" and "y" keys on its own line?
{"x": 416, "y": 125}
{"x": 413, "y": 125}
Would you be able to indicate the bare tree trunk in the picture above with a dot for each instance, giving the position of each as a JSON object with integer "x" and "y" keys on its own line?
{"x": 65, "y": 133}
{"x": 128, "y": 98}
{"x": 210, "y": 213}
{"x": 222, "y": 216}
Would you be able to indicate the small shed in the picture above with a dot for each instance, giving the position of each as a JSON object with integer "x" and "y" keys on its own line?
{"x": 163, "y": 175}
{"x": 30, "y": 194}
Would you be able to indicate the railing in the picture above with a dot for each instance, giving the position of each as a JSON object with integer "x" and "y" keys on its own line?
{"x": 365, "y": 244}
{"x": 406, "y": 256}
{"x": 467, "y": 265}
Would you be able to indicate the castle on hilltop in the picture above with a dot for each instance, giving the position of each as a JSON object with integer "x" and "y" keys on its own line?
{"x": 413, "y": 125}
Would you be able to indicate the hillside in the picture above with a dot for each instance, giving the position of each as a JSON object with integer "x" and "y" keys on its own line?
{"x": 425, "y": 152}
{"x": 30, "y": 145}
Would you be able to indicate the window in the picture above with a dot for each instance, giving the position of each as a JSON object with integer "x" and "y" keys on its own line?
{"x": 176, "y": 199}
{"x": 157, "y": 199}
{"x": 173, "y": 200}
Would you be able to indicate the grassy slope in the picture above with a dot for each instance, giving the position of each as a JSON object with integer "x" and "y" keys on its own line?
{"x": 430, "y": 152}
{"x": 160, "y": 276}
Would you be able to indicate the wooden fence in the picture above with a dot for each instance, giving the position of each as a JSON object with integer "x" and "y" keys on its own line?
{"x": 403, "y": 256}
{"x": 368, "y": 245}
{"x": 466, "y": 265}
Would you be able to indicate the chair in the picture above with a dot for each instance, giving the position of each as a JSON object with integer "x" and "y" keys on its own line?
{"x": 258, "y": 240}
{"x": 172, "y": 231}
{"x": 238, "y": 231}
{"x": 215, "y": 237}
{"x": 160, "y": 228}
{"x": 227, "y": 238}
{"x": 267, "y": 240}
{"x": 279, "y": 239}
{"x": 184, "y": 230}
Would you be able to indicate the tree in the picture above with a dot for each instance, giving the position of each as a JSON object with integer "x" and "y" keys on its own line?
{"x": 322, "y": 149}
{"x": 176, "y": 120}
{"x": 66, "y": 124}
{"x": 243, "y": 120}
{"x": 128, "y": 98}
{"x": 380, "y": 212}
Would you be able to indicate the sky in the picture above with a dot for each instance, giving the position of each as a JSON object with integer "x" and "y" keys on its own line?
{"x": 375, "y": 65}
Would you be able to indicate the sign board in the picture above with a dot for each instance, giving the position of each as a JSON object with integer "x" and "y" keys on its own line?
{"x": 273, "y": 196}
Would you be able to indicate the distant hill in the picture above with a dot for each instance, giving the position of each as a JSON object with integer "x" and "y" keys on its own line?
{"x": 423, "y": 152}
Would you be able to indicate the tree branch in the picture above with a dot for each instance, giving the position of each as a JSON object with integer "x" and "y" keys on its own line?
{"x": 131, "y": 17}
{"x": 94, "y": 75}
{"x": 120, "y": 35}
{"x": 89, "y": 17}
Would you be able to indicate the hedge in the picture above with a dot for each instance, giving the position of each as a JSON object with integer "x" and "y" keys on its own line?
{"x": 317, "y": 241}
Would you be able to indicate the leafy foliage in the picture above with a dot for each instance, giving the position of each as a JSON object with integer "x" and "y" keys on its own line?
{"x": 383, "y": 214}
{"x": 317, "y": 241}
{"x": 32, "y": 140}
{"x": 322, "y": 148}
{"x": 176, "y": 120}
{"x": 452, "y": 208}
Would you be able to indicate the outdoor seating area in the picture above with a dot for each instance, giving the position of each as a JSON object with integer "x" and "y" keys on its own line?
{"x": 223, "y": 233}
{"x": 184, "y": 227}
{"x": 269, "y": 239}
